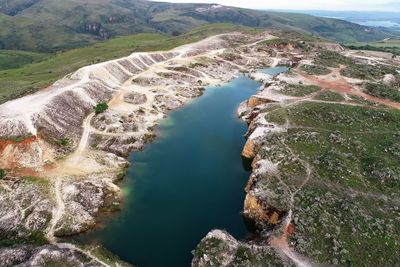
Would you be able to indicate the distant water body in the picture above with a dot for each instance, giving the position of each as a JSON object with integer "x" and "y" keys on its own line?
{"x": 185, "y": 184}
{"x": 366, "y": 18}
{"x": 378, "y": 23}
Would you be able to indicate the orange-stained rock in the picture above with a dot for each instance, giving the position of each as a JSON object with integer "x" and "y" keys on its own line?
{"x": 274, "y": 218}
{"x": 254, "y": 209}
{"x": 290, "y": 229}
{"x": 249, "y": 150}
{"x": 255, "y": 101}
{"x": 30, "y": 153}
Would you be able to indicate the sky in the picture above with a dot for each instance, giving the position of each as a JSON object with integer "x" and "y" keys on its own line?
{"x": 353, "y": 5}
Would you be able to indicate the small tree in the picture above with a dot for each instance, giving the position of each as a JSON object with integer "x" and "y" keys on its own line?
{"x": 2, "y": 173}
{"x": 63, "y": 142}
{"x": 100, "y": 108}
{"x": 176, "y": 33}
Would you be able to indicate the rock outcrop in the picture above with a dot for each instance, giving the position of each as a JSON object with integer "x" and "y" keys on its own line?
{"x": 219, "y": 248}
{"x": 53, "y": 255}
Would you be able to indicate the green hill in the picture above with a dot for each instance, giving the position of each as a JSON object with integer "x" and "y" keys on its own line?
{"x": 53, "y": 25}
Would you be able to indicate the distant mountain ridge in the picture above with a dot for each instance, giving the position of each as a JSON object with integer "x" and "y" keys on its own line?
{"x": 51, "y": 25}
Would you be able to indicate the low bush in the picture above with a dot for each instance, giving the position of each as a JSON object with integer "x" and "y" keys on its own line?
{"x": 101, "y": 107}
{"x": 383, "y": 91}
{"x": 2, "y": 173}
{"x": 315, "y": 69}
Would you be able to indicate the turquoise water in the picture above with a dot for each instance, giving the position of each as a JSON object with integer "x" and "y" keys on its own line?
{"x": 274, "y": 71}
{"x": 186, "y": 183}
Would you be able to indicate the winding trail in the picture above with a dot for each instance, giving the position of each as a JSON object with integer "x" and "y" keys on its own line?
{"x": 58, "y": 211}
{"x": 281, "y": 242}
{"x": 85, "y": 252}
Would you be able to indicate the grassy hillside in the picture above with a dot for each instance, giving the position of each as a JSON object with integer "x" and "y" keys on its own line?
{"x": 10, "y": 59}
{"x": 32, "y": 77}
{"x": 54, "y": 25}
{"x": 391, "y": 46}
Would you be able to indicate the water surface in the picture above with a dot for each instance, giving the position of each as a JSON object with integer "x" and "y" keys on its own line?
{"x": 186, "y": 183}
{"x": 379, "y": 23}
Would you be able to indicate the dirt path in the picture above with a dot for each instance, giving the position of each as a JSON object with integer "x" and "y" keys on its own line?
{"x": 85, "y": 252}
{"x": 86, "y": 133}
{"x": 281, "y": 242}
{"x": 58, "y": 211}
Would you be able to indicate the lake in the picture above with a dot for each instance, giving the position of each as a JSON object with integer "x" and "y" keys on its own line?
{"x": 188, "y": 182}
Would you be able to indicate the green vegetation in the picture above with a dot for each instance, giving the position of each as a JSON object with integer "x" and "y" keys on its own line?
{"x": 389, "y": 46}
{"x": 64, "y": 142}
{"x": 353, "y": 153}
{"x": 359, "y": 71}
{"x": 383, "y": 91}
{"x": 35, "y": 180}
{"x": 315, "y": 69}
{"x": 326, "y": 59}
{"x": 331, "y": 59}
{"x": 362, "y": 101}
{"x": 10, "y": 59}
{"x": 101, "y": 107}
{"x": 329, "y": 95}
{"x": 44, "y": 25}
{"x": 368, "y": 72}
{"x": 276, "y": 42}
{"x": 2, "y": 173}
{"x": 299, "y": 90}
{"x": 12, "y": 238}
{"x": 343, "y": 117}
{"x": 299, "y": 37}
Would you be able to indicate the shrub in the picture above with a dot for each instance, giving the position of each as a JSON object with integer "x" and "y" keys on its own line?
{"x": 101, "y": 107}
{"x": 330, "y": 96}
{"x": 276, "y": 42}
{"x": 367, "y": 72}
{"x": 299, "y": 90}
{"x": 63, "y": 142}
{"x": 383, "y": 91}
{"x": 315, "y": 69}
{"x": 2, "y": 173}
{"x": 332, "y": 59}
